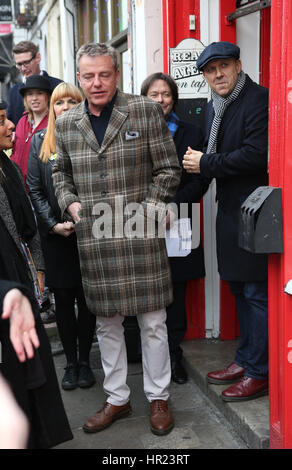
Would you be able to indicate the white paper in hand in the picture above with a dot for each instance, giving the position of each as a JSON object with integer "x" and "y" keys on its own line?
{"x": 179, "y": 238}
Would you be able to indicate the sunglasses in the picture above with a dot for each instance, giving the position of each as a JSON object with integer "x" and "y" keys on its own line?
{"x": 25, "y": 63}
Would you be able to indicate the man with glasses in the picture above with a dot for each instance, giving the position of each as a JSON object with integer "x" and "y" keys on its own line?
{"x": 27, "y": 60}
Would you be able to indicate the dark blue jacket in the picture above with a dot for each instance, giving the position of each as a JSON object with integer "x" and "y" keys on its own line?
{"x": 239, "y": 166}
{"x": 191, "y": 189}
{"x": 15, "y": 100}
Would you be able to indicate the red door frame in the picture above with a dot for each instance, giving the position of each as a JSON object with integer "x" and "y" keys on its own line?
{"x": 175, "y": 16}
{"x": 280, "y": 266}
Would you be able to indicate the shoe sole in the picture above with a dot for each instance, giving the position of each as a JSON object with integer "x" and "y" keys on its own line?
{"x": 223, "y": 382}
{"x": 179, "y": 381}
{"x": 86, "y": 385}
{"x": 251, "y": 397}
{"x": 122, "y": 414}
{"x": 69, "y": 387}
{"x": 162, "y": 432}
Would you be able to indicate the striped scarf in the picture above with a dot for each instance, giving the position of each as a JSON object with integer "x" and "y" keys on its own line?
{"x": 172, "y": 122}
{"x": 220, "y": 105}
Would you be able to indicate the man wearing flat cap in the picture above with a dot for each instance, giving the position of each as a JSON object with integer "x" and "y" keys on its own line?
{"x": 236, "y": 155}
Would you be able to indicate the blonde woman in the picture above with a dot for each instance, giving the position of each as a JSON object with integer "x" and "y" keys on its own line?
{"x": 63, "y": 275}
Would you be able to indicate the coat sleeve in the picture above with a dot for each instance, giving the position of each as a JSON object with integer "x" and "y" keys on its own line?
{"x": 166, "y": 170}
{"x": 35, "y": 183}
{"x": 192, "y": 187}
{"x": 62, "y": 175}
{"x": 35, "y": 243}
{"x": 251, "y": 156}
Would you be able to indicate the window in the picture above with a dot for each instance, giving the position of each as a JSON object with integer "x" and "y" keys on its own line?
{"x": 107, "y": 21}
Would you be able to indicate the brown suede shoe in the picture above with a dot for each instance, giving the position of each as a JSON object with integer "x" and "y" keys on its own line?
{"x": 106, "y": 416}
{"x": 227, "y": 375}
{"x": 160, "y": 418}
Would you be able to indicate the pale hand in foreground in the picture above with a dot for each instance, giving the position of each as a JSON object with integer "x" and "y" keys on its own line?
{"x": 23, "y": 334}
{"x": 14, "y": 427}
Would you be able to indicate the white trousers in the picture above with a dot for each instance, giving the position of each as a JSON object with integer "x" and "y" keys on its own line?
{"x": 155, "y": 356}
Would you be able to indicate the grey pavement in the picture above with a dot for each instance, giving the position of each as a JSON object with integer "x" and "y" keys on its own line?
{"x": 199, "y": 424}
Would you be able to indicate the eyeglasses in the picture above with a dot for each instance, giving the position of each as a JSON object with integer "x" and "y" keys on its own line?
{"x": 25, "y": 63}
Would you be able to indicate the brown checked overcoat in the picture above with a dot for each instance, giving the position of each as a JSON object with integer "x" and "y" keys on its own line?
{"x": 122, "y": 186}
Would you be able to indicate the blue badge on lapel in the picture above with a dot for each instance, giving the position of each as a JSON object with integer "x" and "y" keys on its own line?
{"x": 130, "y": 135}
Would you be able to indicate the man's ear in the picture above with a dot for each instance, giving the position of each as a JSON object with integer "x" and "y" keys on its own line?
{"x": 238, "y": 66}
{"x": 78, "y": 77}
{"x": 38, "y": 57}
{"x": 117, "y": 75}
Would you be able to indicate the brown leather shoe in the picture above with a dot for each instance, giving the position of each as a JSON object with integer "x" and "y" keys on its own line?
{"x": 246, "y": 388}
{"x": 161, "y": 419}
{"x": 106, "y": 416}
{"x": 227, "y": 375}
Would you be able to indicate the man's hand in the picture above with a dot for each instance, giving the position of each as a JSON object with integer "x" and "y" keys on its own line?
{"x": 169, "y": 219}
{"x": 191, "y": 161}
{"x": 23, "y": 335}
{"x": 73, "y": 210}
{"x": 64, "y": 229}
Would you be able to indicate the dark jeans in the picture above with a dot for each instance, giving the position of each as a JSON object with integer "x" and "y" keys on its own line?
{"x": 176, "y": 320}
{"x": 74, "y": 330}
{"x": 252, "y": 309}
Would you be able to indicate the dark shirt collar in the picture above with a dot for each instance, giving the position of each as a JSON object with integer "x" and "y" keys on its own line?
{"x": 108, "y": 107}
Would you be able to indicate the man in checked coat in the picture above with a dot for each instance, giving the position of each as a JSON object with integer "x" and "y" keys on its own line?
{"x": 236, "y": 155}
{"x": 116, "y": 158}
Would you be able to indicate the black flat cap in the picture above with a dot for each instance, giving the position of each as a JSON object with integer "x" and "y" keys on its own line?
{"x": 217, "y": 50}
{"x": 3, "y": 104}
{"x": 37, "y": 82}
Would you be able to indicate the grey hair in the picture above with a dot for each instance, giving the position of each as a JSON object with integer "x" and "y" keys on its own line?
{"x": 93, "y": 49}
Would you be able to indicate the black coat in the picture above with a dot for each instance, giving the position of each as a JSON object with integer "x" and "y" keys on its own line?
{"x": 15, "y": 100}
{"x": 191, "y": 189}
{"x": 60, "y": 253}
{"x": 41, "y": 404}
{"x": 239, "y": 166}
{"x": 34, "y": 383}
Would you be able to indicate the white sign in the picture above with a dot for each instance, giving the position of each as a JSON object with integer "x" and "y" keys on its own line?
{"x": 6, "y": 13}
{"x": 191, "y": 83}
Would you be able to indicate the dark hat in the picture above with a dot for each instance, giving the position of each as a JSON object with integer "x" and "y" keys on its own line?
{"x": 217, "y": 50}
{"x": 36, "y": 82}
{"x": 3, "y": 104}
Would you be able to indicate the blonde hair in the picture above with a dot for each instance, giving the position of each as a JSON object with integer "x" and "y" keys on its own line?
{"x": 61, "y": 91}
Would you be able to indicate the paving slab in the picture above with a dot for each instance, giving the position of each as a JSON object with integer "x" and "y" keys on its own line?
{"x": 250, "y": 419}
{"x": 198, "y": 424}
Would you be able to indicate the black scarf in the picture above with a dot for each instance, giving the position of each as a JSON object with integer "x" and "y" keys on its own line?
{"x": 18, "y": 199}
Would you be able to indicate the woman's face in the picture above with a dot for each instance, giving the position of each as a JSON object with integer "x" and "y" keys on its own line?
{"x": 160, "y": 92}
{"x": 63, "y": 104}
{"x": 37, "y": 101}
{"x": 6, "y": 131}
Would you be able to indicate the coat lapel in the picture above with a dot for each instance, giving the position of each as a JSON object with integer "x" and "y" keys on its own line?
{"x": 229, "y": 118}
{"x": 83, "y": 125}
{"x": 119, "y": 115}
